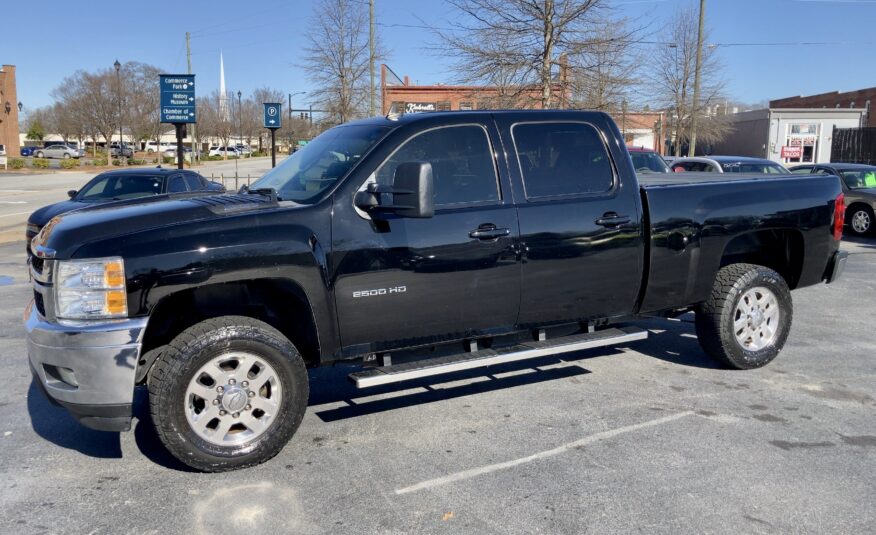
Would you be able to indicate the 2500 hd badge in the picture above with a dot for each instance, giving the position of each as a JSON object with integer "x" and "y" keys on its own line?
{"x": 380, "y": 291}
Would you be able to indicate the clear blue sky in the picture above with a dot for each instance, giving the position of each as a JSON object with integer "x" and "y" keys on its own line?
{"x": 262, "y": 41}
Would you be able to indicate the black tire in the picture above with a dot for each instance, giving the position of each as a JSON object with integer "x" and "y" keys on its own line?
{"x": 196, "y": 346}
{"x": 716, "y": 316}
{"x": 864, "y": 226}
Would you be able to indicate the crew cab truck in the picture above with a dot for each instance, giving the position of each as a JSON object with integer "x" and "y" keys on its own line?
{"x": 420, "y": 245}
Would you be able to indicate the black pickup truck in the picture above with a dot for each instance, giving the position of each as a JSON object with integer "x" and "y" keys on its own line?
{"x": 418, "y": 245}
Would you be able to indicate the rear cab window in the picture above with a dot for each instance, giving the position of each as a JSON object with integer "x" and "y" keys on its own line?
{"x": 562, "y": 158}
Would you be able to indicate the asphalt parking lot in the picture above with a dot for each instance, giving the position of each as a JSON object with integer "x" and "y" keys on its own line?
{"x": 646, "y": 438}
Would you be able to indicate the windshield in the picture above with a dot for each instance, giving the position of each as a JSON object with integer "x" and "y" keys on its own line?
{"x": 860, "y": 178}
{"x": 118, "y": 187}
{"x": 648, "y": 162}
{"x": 755, "y": 168}
{"x": 320, "y": 163}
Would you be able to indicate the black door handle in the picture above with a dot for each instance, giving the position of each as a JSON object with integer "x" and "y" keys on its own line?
{"x": 612, "y": 219}
{"x": 488, "y": 232}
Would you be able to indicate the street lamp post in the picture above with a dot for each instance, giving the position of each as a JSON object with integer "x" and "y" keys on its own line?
{"x": 20, "y": 106}
{"x": 118, "y": 67}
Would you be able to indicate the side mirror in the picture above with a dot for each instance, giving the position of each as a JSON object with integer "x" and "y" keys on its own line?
{"x": 411, "y": 190}
{"x": 72, "y": 193}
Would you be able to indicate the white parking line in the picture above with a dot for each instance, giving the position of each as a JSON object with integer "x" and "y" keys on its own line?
{"x": 596, "y": 437}
{"x": 13, "y": 202}
{"x": 16, "y": 213}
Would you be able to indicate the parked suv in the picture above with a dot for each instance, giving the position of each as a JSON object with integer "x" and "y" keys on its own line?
{"x": 217, "y": 150}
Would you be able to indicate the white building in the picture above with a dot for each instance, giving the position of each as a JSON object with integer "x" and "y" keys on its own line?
{"x": 787, "y": 135}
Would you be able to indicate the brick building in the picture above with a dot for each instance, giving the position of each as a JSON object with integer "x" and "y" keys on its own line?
{"x": 409, "y": 98}
{"x": 862, "y": 98}
{"x": 8, "y": 110}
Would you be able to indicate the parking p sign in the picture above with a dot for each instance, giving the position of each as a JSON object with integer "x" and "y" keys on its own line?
{"x": 272, "y": 115}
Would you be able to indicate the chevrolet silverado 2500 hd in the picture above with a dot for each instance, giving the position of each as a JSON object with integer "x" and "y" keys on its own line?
{"x": 420, "y": 245}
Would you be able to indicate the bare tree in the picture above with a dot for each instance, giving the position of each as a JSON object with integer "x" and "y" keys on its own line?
{"x": 337, "y": 57}
{"x": 673, "y": 78}
{"x": 606, "y": 73}
{"x": 141, "y": 100}
{"x": 516, "y": 45}
{"x": 212, "y": 121}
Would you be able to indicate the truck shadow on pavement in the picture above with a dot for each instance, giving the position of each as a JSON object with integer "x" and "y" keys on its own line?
{"x": 57, "y": 426}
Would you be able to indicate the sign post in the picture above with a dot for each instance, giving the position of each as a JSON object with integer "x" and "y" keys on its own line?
{"x": 178, "y": 106}
{"x": 273, "y": 121}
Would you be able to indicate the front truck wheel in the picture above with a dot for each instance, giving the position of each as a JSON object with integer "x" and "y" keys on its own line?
{"x": 227, "y": 393}
{"x": 746, "y": 319}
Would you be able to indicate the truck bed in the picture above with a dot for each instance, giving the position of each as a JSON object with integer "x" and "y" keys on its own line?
{"x": 678, "y": 179}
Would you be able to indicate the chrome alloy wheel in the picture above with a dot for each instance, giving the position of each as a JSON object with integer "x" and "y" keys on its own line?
{"x": 861, "y": 221}
{"x": 756, "y": 319}
{"x": 233, "y": 398}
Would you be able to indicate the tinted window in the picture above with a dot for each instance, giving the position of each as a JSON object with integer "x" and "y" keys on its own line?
{"x": 193, "y": 183}
{"x": 562, "y": 159}
{"x": 645, "y": 162}
{"x": 122, "y": 187}
{"x": 462, "y": 163}
{"x": 176, "y": 185}
{"x": 801, "y": 170}
{"x": 755, "y": 168}
{"x": 860, "y": 179}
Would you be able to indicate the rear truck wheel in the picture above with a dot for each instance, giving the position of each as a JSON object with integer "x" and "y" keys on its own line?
{"x": 860, "y": 220}
{"x": 66, "y": 156}
{"x": 746, "y": 319}
{"x": 39, "y": 155}
{"x": 227, "y": 393}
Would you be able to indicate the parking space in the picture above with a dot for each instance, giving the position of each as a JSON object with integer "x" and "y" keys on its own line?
{"x": 650, "y": 437}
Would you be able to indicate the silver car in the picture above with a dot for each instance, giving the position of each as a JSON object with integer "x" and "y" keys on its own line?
{"x": 58, "y": 151}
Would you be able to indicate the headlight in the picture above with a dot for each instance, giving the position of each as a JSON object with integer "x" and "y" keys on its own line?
{"x": 91, "y": 289}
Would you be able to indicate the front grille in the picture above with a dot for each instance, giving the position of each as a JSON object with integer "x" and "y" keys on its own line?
{"x": 39, "y": 303}
{"x": 37, "y": 263}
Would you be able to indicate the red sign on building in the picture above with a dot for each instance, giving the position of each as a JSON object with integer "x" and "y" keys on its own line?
{"x": 792, "y": 152}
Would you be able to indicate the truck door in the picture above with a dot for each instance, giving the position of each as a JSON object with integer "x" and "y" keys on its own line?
{"x": 580, "y": 224}
{"x": 409, "y": 281}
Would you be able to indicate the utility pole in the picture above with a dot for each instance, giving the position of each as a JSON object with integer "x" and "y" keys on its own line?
{"x": 697, "y": 74}
{"x": 373, "y": 107}
{"x": 195, "y": 148}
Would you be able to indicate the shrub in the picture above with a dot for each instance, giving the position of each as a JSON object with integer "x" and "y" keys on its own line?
{"x": 17, "y": 163}
{"x": 259, "y": 153}
{"x": 69, "y": 164}
{"x": 116, "y": 162}
{"x": 98, "y": 162}
{"x": 134, "y": 161}
{"x": 41, "y": 163}
{"x": 168, "y": 159}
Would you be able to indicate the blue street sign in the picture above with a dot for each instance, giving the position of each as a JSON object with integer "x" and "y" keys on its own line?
{"x": 177, "y": 98}
{"x": 273, "y": 115}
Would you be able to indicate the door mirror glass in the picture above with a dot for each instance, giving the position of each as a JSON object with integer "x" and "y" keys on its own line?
{"x": 411, "y": 193}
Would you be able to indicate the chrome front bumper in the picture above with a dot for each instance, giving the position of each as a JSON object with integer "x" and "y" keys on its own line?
{"x": 88, "y": 368}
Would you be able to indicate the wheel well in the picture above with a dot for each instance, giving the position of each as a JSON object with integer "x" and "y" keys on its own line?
{"x": 856, "y": 205}
{"x": 779, "y": 250}
{"x": 278, "y": 302}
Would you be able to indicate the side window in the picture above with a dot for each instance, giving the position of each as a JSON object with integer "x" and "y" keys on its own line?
{"x": 192, "y": 182}
{"x": 801, "y": 171}
{"x": 176, "y": 184}
{"x": 562, "y": 159}
{"x": 463, "y": 170}
{"x": 822, "y": 171}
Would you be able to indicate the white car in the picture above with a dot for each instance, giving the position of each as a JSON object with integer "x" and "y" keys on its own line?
{"x": 152, "y": 146}
{"x": 224, "y": 151}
